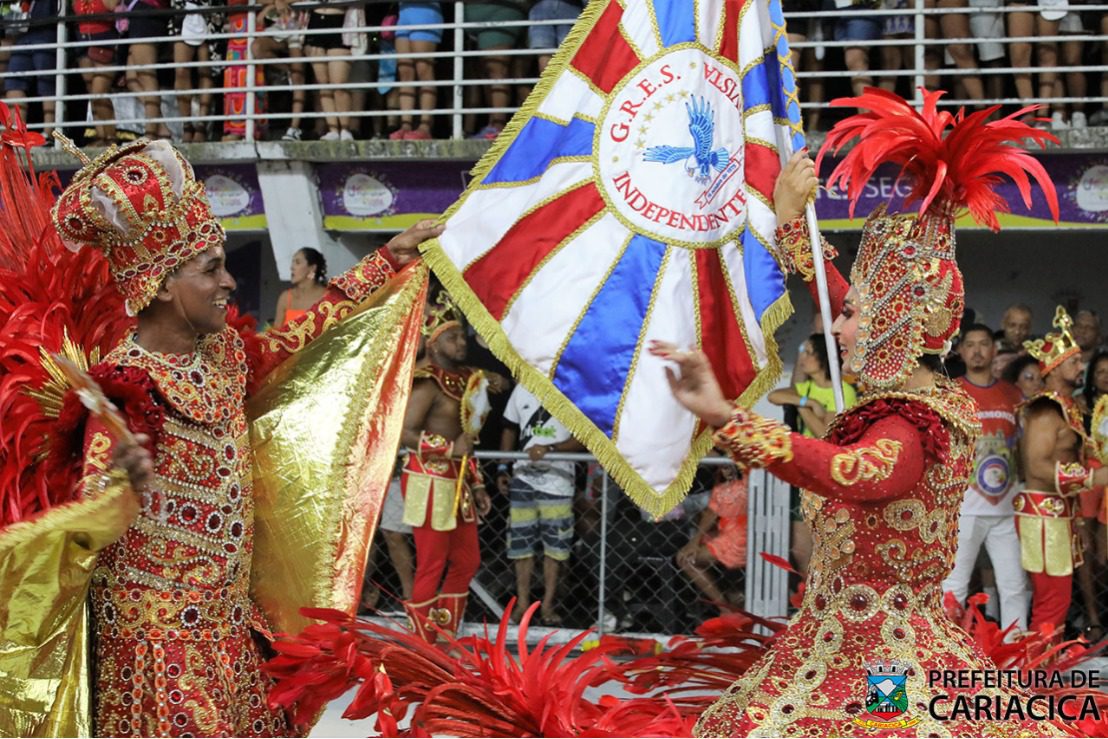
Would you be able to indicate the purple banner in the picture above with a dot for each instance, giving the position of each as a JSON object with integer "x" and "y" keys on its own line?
{"x": 388, "y": 194}
{"x": 1080, "y": 179}
{"x": 234, "y": 193}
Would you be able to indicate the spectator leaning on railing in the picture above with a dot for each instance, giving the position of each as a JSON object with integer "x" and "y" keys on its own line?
{"x": 145, "y": 22}
{"x": 98, "y": 27}
{"x": 416, "y": 41}
{"x": 498, "y": 94}
{"x": 194, "y": 24}
{"x": 855, "y": 25}
{"x": 335, "y": 101}
{"x": 287, "y": 25}
{"x": 1034, "y": 22}
{"x": 548, "y": 36}
{"x": 41, "y": 19}
{"x": 952, "y": 26}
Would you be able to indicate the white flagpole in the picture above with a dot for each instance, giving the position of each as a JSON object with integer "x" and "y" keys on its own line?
{"x": 825, "y": 306}
{"x": 817, "y": 256}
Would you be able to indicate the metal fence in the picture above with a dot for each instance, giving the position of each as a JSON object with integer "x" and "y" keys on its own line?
{"x": 623, "y": 572}
{"x": 984, "y": 53}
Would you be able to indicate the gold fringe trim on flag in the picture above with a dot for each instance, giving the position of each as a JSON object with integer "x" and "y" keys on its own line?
{"x": 583, "y": 429}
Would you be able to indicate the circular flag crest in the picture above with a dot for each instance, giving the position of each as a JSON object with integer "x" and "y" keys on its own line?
{"x": 669, "y": 159}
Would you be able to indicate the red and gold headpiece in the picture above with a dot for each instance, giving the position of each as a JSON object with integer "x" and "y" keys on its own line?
{"x": 440, "y": 316}
{"x": 143, "y": 207}
{"x": 911, "y": 294}
{"x": 1053, "y": 349}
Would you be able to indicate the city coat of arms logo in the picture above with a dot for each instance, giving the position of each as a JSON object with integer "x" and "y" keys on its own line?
{"x": 886, "y": 696}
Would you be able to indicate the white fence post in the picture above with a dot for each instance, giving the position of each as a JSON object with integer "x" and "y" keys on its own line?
{"x": 768, "y": 530}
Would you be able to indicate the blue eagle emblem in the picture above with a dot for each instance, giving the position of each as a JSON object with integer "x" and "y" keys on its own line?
{"x": 700, "y": 159}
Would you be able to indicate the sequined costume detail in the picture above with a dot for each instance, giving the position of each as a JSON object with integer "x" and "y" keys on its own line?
{"x": 884, "y": 539}
{"x": 178, "y": 638}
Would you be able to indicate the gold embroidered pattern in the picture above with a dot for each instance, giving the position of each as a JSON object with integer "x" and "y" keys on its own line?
{"x": 867, "y": 464}
{"x": 874, "y": 591}
{"x": 793, "y": 249}
{"x": 754, "y": 440}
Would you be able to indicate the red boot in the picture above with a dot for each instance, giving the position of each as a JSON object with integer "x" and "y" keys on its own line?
{"x": 423, "y": 617}
{"x": 454, "y": 607}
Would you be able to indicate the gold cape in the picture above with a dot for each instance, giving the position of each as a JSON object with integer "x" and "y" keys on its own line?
{"x": 325, "y": 426}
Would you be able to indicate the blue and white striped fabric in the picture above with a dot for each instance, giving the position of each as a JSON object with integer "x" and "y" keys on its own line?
{"x": 630, "y": 200}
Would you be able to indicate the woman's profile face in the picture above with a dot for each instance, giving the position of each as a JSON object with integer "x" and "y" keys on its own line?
{"x": 299, "y": 268}
{"x": 1030, "y": 380}
{"x": 845, "y": 328}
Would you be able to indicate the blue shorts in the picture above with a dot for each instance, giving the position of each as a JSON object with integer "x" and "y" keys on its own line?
{"x": 535, "y": 517}
{"x": 549, "y": 36}
{"x": 856, "y": 28}
{"x": 419, "y": 14}
{"x": 43, "y": 60}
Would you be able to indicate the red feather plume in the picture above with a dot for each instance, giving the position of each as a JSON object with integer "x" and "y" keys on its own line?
{"x": 48, "y": 294}
{"x": 479, "y": 688}
{"x": 951, "y": 159}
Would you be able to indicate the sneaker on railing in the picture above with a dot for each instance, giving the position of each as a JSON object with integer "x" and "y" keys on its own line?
{"x": 1078, "y": 120}
{"x": 292, "y": 134}
{"x": 346, "y": 136}
{"x": 1099, "y": 118}
{"x": 487, "y": 133}
{"x": 1058, "y": 123}
{"x": 330, "y": 136}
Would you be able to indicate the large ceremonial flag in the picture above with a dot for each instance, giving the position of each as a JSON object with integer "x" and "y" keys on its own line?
{"x": 630, "y": 199}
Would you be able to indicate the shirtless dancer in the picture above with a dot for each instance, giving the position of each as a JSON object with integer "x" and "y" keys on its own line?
{"x": 1056, "y": 467}
{"x": 442, "y": 515}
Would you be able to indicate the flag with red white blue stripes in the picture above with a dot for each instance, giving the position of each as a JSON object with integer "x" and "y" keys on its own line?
{"x": 629, "y": 200}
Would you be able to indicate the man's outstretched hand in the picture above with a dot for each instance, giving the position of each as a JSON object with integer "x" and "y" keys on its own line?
{"x": 405, "y": 245}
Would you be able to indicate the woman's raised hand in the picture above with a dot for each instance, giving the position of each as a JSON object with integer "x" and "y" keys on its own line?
{"x": 694, "y": 383}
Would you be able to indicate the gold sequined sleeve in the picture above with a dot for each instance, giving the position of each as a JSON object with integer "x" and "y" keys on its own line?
{"x": 887, "y": 462}
{"x": 45, "y": 567}
{"x": 793, "y": 252}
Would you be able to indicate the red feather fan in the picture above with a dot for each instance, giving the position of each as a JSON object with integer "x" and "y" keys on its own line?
{"x": 478, "y": 688}
{"x": 951, "y": 159}
{"x": 51, "y": 300}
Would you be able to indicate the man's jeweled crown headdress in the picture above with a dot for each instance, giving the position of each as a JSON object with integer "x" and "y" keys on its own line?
{"x": 143, "y": 207}
{"x": 1054, "y": 348}
{"x": 440, "y": 316}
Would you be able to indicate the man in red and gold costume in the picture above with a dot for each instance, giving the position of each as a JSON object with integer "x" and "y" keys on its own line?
{"x": 175, "y": 541}
{"x": 1057, "y": 467}
{"x": 443, "y": 492}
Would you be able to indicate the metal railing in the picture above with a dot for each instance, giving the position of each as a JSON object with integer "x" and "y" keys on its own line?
{"x": 71, "y": 103}
{"x": 622, "y": 573}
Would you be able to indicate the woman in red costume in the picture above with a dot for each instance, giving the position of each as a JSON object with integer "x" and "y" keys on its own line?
{"x": 887, "y": 480}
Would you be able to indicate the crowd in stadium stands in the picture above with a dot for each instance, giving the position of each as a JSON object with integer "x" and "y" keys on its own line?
{"x": 311, "y": 43}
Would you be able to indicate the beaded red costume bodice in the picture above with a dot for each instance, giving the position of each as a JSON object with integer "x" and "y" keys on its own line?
{"x": 174, "y": 621}
{"x": 886, "y": 488}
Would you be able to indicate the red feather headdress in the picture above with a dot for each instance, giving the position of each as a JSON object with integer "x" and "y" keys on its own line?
{"x": 953, "y": 160}
{"x": 51, "y": 300}
{"x": 905, "y": 263}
